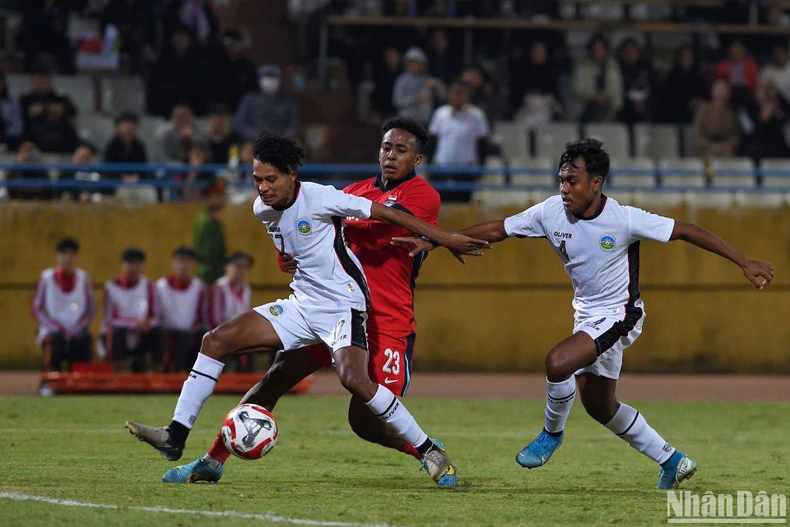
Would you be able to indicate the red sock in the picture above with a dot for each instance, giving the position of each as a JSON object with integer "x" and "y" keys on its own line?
{"x": 218, "y": 451}
{"x": 408, "y": 449}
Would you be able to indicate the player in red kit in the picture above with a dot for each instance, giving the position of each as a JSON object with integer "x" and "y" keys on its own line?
{"x": 391, "y": 274}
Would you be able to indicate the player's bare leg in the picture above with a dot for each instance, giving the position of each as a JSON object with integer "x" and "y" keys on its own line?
{"x": 368, "y": 427}
{"x": 247, "y": 333}
{"x": 573, "y": 353}
{"x": 599, "y": 398}
{"x": 351, "y": 364}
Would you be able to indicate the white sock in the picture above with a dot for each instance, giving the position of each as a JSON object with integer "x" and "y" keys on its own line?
{"x": 196, "y": 389}
{"x": 629, "y": 425}
{"x": 389, "y": 409}
{"x": 559, "y": 400}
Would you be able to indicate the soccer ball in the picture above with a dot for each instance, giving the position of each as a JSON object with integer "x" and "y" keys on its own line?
{"x": 249, "y": 431}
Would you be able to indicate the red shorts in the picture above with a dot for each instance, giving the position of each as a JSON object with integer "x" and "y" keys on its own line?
{"x": 389, "y": 363}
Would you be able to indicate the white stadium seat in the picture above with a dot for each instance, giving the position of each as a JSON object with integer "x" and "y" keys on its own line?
{"x": 550, "y": 139}
{"x": 122, "y": 94}
{"x": 759, "y": 200}
{"x": 614, "y": 136}
{"x": 79, "y": 88}
{"x": 95, "y": 128}
{"x": 691, "y": 173}
{"x": 718, "y": 199}
{"x": 543, "y": 172}
{"x": 501, "y": 198}
{"x": 495, "y": 177}
{"x": 657, "y": 199}
{"x": 776, "y": 173}
{"x": 632, "y": 172}
{"x": 148, "y": 127}
{"x": 733, "y": 172}
{"x": 656, "y": 140}
{"x": 512, "y": 138}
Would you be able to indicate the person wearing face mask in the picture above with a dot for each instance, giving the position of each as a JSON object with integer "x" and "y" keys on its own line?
{"x": 268, "y": 108}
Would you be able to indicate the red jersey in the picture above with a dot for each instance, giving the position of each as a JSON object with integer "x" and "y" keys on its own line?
{"x": 390, "y": 271}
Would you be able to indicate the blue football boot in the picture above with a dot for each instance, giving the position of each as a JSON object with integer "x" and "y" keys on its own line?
{"x": 540, "y": 450}
{"x": 199, "y": 470}
{"x": 676, "y": 470}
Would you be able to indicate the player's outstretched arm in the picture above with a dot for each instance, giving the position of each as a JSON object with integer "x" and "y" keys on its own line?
{"x": 490, "y": 231}
{"x": 458, "y": 244}
{"x": 757, "y": 272}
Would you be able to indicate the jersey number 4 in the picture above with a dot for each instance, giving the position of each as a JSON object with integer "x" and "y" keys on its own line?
{"x": 563, "y": 251}
{"x": 280, "y": 238}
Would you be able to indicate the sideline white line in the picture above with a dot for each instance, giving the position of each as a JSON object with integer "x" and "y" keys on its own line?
{"x": 269, "y": 516}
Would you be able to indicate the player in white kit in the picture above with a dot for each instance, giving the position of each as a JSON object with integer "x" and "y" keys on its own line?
{"x": 598, "y": 240}
{"x": 328, "y": 304}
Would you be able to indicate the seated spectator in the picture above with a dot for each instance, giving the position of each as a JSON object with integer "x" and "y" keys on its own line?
{"x": 415, "y": 90}
{"x": 460, "y": 133}
{"x": 182, "y": 298}
{"x": 137, "y": 27}
{"x": 35, "y": 105}
{"x": 11, "y": 124}
{"x": 535, "y": 86}
{"x": 764, "y": 125}
{"x": 126, "y": 147}
{"x": 230, "y": 296}
{"x": 640, "y": 83}
{"x": 44, "y": 35}
{"x": 738, "y": 69}
{"x": 716, "y": 129}
{"x": 387, "y": 73}
{"x": 238, "y": 74}
{"x": 29, "y": 154}
{"x": 84, "y": 154}
{"x": 179, "y": 134}
{"x": 196, "y": 158}
{"x": 199, "y": 18}
{"x": 56, "y": 132}
{"x": 597, "y": 83}
{"x": 178, "y": 75}
{"x": 777, "y": 72}
{"x": 64, "y": 307}
{"x": 208, "y": 236}
{"x": 131, "y": 315}
{"x": 483, "y": 92}
{"x": 223, "y": 142}
{"x": 683, "y": 89}
{"x": 445, "y": 63}
{"x": 268, "y": 108}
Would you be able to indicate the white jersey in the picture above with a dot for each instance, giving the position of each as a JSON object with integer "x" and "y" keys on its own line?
{"x": 311, "y": 229}
{"x": 601, "y": 254}
{"x": 225, "y": 302}
{"x": 124, "y": 306}
{"x": 57, "y": 310}
{"x": 182, "y": 309}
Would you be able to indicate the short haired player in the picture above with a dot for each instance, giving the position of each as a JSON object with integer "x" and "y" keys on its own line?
{"x": 329, "y": 302}
{"x": 598, "y": 240}
{"x": 391, "y": 275}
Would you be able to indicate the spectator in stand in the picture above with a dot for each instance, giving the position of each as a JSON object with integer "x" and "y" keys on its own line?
{"x": 179, "y": 134}
{"x": 126, "y": 147}
{"x": 55, "y": 133}
{"x": 483, "y": 92}
{"x": 177, "y": 76}
{"x": 137, "y": 27}
{"x": 131, "y": 315}
{"x": 230, "y": 296}
{"x": 445, "y": 63}
{"x": 183, "y": 300}
{"x": 388, "y": 71}
{"x": 237, "y": 73}
{"x": 84, "y": 154}
{"x": 415, "y": 90}
{"x": 683, "y": 89}
{"x": 11, "y": 124}
{"x": 738, "y": 69}
{"x": 460, "y": 133}
{"x": 716, "y": 129}
{"x": 196, "y": 157}
{"x": 223, "y": 142}
{"x": 268, "y": 108}
{"x": 764, "y": 125}
{"x": 640, "y": 83}
{"x": 208, "y": 236}
{"x": 534, "y": 87}
{"x": 199, "y": 18}
{"x": 44, "y": 35}
{"x": 64, "y": 307}
{"x": 29, "y": 154}
{"x": 777, "y": 72}
{"x": 35, "y": 105}
{"x": 597, "y": 83}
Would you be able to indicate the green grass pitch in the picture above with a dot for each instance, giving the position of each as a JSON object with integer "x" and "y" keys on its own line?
{"x": 75, "y": 448}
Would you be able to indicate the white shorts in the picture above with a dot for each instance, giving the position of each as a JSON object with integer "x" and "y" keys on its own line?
{"x": 299, "y": 326}
{"x": 612, "y": 335}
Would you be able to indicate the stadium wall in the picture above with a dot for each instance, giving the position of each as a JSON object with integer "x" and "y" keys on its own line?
{"x": 500, "y": 312}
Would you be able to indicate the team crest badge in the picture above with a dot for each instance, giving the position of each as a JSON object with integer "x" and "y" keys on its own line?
{"x": 276, "y": 310}
{"x": 304, "y": 227}
{"x": 608, "y": 242}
